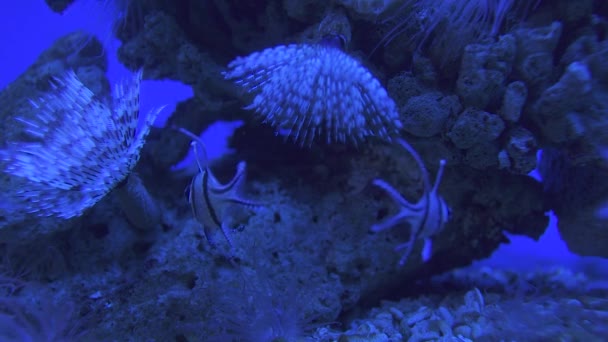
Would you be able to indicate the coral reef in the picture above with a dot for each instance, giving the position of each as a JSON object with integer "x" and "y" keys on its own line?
{"x": 484, "y": 70}
{"x": 317, "y": 71}
{"x": 426, "y": 115}
{"x": 534, "y": 59}
{"x": 474, "y": 126}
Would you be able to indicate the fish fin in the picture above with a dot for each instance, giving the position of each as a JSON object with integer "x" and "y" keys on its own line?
{"x": 187, "y": 193}
{"x": 407, "y": 246}
{"x": 201, "y": 158}
{"x": 390, "y": 222}
{"x": 427, "y": 250}
{"x": 237, "y": 181}
{"x": 418, "y": 159}
{"x": 226, "y": 231}
{"x": 393, "y": 193}
{"x": 438, "y": 176}
{"x": 209, "y": 236}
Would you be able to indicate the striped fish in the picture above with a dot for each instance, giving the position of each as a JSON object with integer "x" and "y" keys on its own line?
{"x": 216, "y": 206}
{"x": 426, "y": 218}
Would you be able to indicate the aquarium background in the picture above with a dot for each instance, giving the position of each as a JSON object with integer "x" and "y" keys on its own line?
{"x": 29, "y": 27}
{"x": 24, "y": 40}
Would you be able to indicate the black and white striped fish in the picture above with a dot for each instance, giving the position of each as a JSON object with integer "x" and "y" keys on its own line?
{"x": 216, "y": 206}
{"x": 426, "y": 217}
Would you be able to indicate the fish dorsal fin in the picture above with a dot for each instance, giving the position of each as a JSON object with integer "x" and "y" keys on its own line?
{"x": 200, "y": 155}
{"x": 425, "y": 174}
{"x": 237, "y": 181}
{"x": 418, "y": 159}
{"x": 438, "y": 176}
{"x": 198, "y": 146}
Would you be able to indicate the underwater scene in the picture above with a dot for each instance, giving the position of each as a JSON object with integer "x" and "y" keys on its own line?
{"x": 304, "y": 170}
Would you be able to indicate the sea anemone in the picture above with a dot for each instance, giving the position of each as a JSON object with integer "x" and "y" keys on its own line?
{"x": 452, "y": 24}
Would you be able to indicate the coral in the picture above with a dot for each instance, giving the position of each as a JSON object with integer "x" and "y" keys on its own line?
{"x": 585, "y": 231}
{"x": 583, "y": 119}
{"x": 315, "y": 91}
{"x": 251, "y": 25}
{"x": 425, "y": 115}
{"x": 483, "y": 71}
{"x": 80, "y": 148}
{"x": 403, "y": 87}
{"x": 424, "y": 70}
{"x": 59, "y": 5}
{"x": 521, "y": 148}
{"x": 597, "y": 62}
{"x": 154, "y": 47}
{"x": 575, "y": 192}
{"x": 580, "y": 49}
{"x": 553, "y": 111}
{"x": 475, "y": 126}
{"x": 482, "y": 156}
{"x": 513, "y": 101}
{"x": 534, "y": 61}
